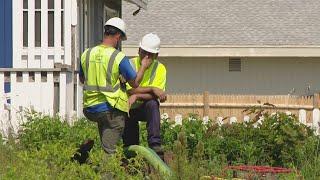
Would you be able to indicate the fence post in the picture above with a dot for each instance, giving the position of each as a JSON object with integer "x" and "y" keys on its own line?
{"x": 206, "y": 106}
{"x": 315, "y": 119}
{"x": 316, "y": 100}
{"x": 63, "y": 95}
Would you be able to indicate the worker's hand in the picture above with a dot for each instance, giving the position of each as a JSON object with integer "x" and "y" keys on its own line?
{"x": 146, "y": 62}
{"x": 163, "y": 98}
{"x": 160, "y": 94}
{"x": 132, "y": 99}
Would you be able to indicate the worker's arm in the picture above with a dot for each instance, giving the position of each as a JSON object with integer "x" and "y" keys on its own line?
{"x": 157, "y": 88}
{"x": 143, "y": 97}
{"x": 141, "y": 90}
{"x": 152, "y": 91}
{"x": 126, "y": 70}
{"x": 145, "y": 63}
{"x": 141, "y": 93}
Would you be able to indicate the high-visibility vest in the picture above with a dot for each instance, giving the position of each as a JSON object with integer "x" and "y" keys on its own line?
{"x": 150, "y": 77}
{"x": 100, "y": 66}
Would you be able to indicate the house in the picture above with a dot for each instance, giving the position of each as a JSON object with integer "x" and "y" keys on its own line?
{"x": 261, "y": 47}
{"x": 40, "y": 46}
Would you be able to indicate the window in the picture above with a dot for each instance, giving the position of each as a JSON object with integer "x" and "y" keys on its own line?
{"x": 234, "y": 65}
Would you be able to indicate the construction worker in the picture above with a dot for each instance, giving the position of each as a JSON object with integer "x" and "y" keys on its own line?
{"x": 105, "y": 102}
{"x": 144, "y": 100}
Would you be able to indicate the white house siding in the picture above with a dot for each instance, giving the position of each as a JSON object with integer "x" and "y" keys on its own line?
{"x": 267, "y": 76}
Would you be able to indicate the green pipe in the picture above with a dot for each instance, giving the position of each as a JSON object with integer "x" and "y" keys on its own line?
{"x": 153, "y": 159}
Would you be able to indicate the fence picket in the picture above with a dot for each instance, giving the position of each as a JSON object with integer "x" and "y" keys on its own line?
{"x": 303, "y": 116}
{"x": 316, "y": 119}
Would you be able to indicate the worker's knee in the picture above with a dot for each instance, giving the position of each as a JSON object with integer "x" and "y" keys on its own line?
{"x": 152, "y": 104}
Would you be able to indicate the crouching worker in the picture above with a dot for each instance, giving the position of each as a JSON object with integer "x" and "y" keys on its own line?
{"x": 144, "y": 100}
{"x": 103, "y": 99}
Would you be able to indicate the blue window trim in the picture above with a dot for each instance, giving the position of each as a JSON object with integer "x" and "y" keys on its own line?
{"x": 6, "y": 34}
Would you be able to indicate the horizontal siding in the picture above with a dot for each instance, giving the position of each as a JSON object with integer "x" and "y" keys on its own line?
{"x": 265, "y": 76}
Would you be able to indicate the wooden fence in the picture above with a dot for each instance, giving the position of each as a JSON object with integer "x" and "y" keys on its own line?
{"x": 213, "y": 105}
{"x": 48, "y": 93}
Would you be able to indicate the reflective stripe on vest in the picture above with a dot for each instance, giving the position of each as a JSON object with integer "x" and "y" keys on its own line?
{"x": 110, "y": 65}
{"x": 102, "y": 89}
{"x": 87, "y": 65}
{"x": 153, "y": 71}
{"x": 108, "y": 87}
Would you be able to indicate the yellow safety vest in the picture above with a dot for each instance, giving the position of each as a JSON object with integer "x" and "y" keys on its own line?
{"x": 100, "y": 65}
{"x": 154, "y": 76}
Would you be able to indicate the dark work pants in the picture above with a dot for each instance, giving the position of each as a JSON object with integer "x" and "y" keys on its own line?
{"x": 149, "y": 112}
{"x": 110, "y": 125}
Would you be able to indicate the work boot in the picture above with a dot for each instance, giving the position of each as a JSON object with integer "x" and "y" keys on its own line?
{"x": 82, "y": 153}
{"x": 159, "y": 151}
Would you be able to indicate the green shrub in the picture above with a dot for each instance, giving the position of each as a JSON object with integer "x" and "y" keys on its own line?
{"x": 44, "y": 148}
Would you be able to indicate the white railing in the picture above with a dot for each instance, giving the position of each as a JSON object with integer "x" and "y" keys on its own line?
{"x": 42, "y": 56}
{"x": 50, "y": 92}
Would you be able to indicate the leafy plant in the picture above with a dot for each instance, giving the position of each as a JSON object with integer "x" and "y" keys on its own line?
{"x": 43, "y": 148}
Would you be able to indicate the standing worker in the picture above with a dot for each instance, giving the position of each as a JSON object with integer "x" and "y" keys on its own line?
{"x": 105, "y": 102}
{"x": 144, "y": 99}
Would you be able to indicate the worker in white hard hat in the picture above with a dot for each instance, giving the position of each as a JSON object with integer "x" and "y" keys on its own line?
{"x": 144, "y": 100}
{"x": 104, "y": 101}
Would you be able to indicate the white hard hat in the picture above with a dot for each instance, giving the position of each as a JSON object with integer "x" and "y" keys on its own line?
{"x": 118, "y": 23}
{"x": 150, "y": 43}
